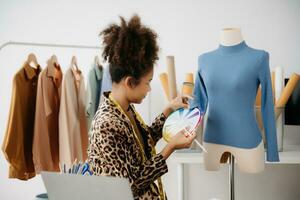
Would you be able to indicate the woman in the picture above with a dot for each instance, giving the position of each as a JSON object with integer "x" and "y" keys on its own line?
{"x": 121, "y": 144}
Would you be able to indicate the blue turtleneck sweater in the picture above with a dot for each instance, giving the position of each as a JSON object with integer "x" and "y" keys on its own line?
{"x": 227, "y": 80}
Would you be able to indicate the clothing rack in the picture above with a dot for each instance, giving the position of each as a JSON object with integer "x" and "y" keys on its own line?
{"x": 69, "y": 46}
{"x": 72, "y": 46}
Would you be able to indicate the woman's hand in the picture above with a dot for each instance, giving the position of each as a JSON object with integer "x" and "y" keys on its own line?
{"x": 176, "y": 103}
{"x": 181, "y": 140}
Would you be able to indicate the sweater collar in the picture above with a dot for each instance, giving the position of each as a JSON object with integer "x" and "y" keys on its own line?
{"x": 232, "y": 49}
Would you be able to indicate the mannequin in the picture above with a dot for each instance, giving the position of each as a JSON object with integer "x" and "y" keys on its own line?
{"x": 229, "y": 73}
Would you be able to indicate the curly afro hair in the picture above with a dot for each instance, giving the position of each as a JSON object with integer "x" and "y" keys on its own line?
{"x": 130, "y": 49}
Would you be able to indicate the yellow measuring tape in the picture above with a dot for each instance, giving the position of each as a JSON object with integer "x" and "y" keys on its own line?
{"x": 153, "y": 151}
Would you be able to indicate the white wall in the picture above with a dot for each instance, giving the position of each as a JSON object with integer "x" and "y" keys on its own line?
{"x": 185, "y": 28}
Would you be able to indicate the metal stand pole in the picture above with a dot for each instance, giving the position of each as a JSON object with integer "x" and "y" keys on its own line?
{"x": 231, "y": 178}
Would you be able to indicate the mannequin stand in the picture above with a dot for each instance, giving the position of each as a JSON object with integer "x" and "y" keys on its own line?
{"x": 231, "y": 177}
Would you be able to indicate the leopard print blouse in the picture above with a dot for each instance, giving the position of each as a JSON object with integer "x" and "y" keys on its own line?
{"x": 114, "y": 150}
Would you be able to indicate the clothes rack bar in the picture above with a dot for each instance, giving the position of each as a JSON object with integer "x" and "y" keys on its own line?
{"x": 74, "y": 46}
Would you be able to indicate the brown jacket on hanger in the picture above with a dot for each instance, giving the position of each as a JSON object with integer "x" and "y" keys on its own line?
{"x": 45, "y": 143}
{"x": 17, "y": 144}
{"x": 73, "y": 132}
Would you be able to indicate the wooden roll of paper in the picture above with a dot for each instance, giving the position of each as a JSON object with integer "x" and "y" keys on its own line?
{"x": 187, "y": 88}
{"x": 171, "y": 76}
{"x": 286, "y": 93}
{"x": 189, "y": 77}
{"x": 165, "y": 84}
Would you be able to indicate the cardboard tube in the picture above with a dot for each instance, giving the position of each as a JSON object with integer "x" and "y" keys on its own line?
{"x": 164, "y": 81}
{"x": 286, "y": 93}
{"x": 187, "y": 88}
{"x": 171, "y": 76}
{"x": 189, "y": 77}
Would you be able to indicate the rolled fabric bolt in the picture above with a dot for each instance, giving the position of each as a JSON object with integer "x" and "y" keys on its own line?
{"x": 171, "y": 76}
{"x": 187, "y": 88}
{"x": 286, "y": 93}
{"x": 164, "y": 81}
{"x": 189, "y": 77}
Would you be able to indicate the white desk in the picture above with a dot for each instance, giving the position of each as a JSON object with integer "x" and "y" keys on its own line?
{"x": 290, "y": 155}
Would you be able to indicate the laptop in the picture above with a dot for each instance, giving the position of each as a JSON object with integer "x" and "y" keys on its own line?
{"x": 61, "y": 186}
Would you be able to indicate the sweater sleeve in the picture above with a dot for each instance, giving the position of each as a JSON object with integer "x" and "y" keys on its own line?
{"x": 267, "y": 109}
{"x": 200, "y": 95}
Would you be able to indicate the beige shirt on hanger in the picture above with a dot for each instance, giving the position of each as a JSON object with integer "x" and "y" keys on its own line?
{"x": 45, "y": 140}
{"x": 73, "y": 132}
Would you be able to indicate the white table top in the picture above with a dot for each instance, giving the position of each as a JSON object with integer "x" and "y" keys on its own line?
{"x": 290, "y": 155}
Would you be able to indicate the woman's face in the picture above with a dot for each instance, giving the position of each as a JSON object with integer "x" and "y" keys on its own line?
{"x": 137, "y": 93}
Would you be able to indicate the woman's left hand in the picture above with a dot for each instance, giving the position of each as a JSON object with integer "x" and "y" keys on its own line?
{"x": 178, "y": 102}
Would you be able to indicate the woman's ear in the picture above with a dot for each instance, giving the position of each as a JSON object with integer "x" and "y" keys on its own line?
{"x": 129, "y": 82}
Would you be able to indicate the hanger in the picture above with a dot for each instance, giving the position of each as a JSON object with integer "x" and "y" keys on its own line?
{"x": 53, "y": 60}
{"x": 32, "y": 61}
{"x": 97, "y": 61}
{"x": 74, "y": 63}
